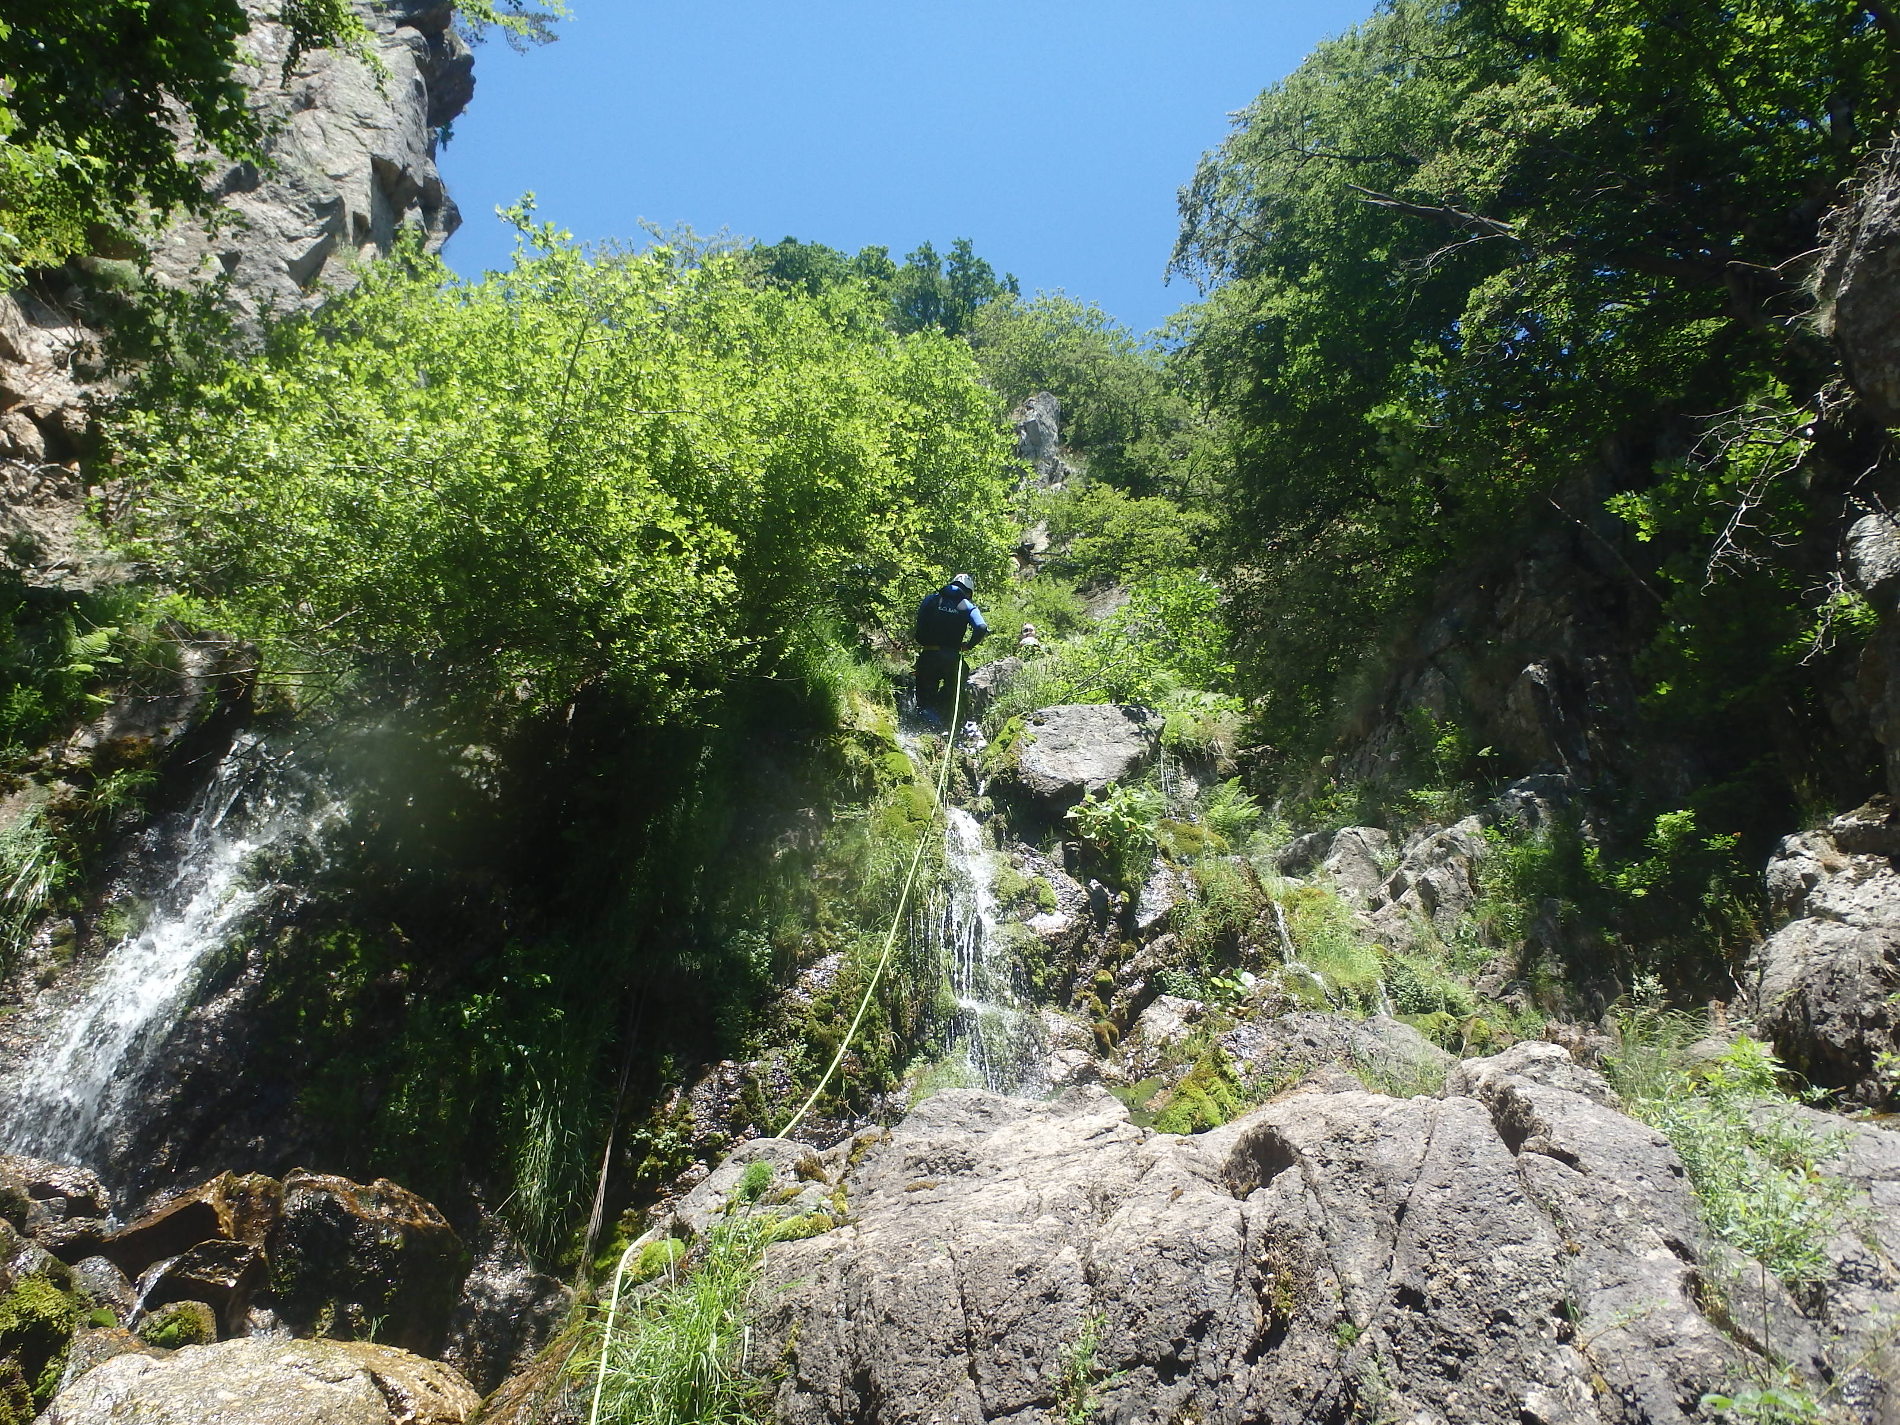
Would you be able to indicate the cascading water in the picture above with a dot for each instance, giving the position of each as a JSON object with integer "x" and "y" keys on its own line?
{"x": 999, "y": 1037}
{"x": 65, "y": 1102}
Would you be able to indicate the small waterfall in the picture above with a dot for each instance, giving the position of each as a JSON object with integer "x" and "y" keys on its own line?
{"x": 65, "y": 1103}
{"x": 998, "y": 1036}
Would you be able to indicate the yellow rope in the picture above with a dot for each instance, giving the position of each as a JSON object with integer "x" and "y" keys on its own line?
{"x": 903, "y": 904}
{"x": 857, "y": 1020}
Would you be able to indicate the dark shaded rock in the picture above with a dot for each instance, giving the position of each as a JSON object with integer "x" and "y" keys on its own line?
{"x": 74, "y": 1238}
{"x": 52, "y": 1190}
{"x": 546, "y": 1393}
{"x": 1302, "y": 853}
{"x": 268, "y": 1383}
{"x": 99, "y": 1283}
{"x": 229, "y": 1208}
{"x": 345, "y": 1255}
{"x": 1860, "y": 287}
{"x": 507, "y": 1312}
{"x": 225, "y": 1275}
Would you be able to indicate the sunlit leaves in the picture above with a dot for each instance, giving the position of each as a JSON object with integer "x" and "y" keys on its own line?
{"x": 626, "y": 471}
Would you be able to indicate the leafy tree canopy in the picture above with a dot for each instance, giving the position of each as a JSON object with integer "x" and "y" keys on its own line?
{"x": 629, "y": 474}
{"x": 929, "y": 291}
{"x": 1465, "y": 244}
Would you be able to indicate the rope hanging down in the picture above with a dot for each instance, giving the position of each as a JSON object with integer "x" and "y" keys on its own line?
{"x": 903, "y": 904}
{"x": 857, "y": 1020}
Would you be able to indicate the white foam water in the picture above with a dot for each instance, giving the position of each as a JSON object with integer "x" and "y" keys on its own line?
{"x": 64, "y": 1103}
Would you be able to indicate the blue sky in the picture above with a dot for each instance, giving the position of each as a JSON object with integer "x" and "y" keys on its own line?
{"x": 1053, "y": 133}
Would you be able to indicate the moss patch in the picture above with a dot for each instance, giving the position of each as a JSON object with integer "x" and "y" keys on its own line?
{"x": 180, "y": 1323}
{"x": 37, "y": 1321}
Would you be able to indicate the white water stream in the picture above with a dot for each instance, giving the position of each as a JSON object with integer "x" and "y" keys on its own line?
{"x": 64, "y": 1104}
{"x": 996, "y": 1034}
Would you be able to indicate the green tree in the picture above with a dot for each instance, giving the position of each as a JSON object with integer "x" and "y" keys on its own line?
{"x": 628, "y": 474}
{"x": 1124, "y": 412}
{"x": 1467, "y": 244}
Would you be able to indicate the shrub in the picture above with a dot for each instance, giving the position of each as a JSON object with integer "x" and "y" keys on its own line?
{"x": 1119, "y": 826}
{"x": 1755, "y": 1174}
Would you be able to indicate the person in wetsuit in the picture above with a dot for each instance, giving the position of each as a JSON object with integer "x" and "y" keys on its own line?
{"x": 948, "y": 624}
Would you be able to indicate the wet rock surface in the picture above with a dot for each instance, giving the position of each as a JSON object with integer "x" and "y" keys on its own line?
{"x": 346, "y": 1257}
{"x": 1515, "y": 1249}
{"x": 505, "y": 1311}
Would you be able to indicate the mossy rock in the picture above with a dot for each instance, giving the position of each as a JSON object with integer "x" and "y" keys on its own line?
{"x": 810, "y": 1224}
{"x": 656, "y": 1258}
{"x": 179, "y": 1323}
{"x": 1207, "y": 1096}
{"x": 1185, "y": 841}
{"x": 15, "y": 1204}
{"x": 37, "y": 1321}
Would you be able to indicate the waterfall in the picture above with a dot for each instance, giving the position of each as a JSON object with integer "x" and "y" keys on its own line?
{"x": 65, "y": 1102}
{"x": 998, "y": 1036}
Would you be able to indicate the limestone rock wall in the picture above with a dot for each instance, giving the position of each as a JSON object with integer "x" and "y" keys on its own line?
{"x": 352, "y": 168}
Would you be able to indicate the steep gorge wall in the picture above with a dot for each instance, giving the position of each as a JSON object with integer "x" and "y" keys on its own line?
{"x": 352, "y": 168}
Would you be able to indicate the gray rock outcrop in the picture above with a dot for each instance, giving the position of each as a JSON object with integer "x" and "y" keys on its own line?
{"x": 1038, "y": 423}
{"x": 1062, "y": 754}
{"x": 352, "y": 163}
{"x": 1824, "y": 980}
{"x": 1860, "y": 287}
{"x": 1516, "y": 1250}
{"x": 352, "y": 168}
{"x": 250, "y": 1382}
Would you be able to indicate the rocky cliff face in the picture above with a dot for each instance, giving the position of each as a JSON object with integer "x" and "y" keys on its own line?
{"x": 353, "y": 167}
{"x": 1513, "y": 1249}
{"x": 353, "y": 163}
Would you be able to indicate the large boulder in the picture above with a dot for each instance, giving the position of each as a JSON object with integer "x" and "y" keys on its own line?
{"x": 260, "y": 1382}
{"x": 1061, "y": 754}
{"x": 232, "y": 1207}
{"x": 1860, "y": 287}
{"x": 349, "y": 1258}
{"x": 1824, "y": 979}
{"x": 1517, "y": 1252}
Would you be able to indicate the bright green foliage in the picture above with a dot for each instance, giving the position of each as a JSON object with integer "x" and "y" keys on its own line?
{"x": 1083, "y": 1378}
{"x": 928, "y": 293}
{"x": 1124, "y": 412}
{"x": 681, "y": 1359}
{"x": 1103, "y": 535}
{"x": 1119, "y": 826}
{"x": 1755, "y": 1171}
{"x": 621, "y": 474}
{"x": 1465, "y": 244}
{"x": 1167, "y": 641}
{"x": 33, "y": 867}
